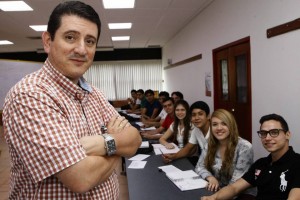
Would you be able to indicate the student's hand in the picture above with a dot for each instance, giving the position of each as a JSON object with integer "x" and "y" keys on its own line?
{"x": 152, "y": 132}
{"x": 117, "y": 124}
{"x": 129, "y": 101}
{"x": 213, "y": 184}
{"x": 145, "y": 117}
{"x": 208, "y": 198}
{"x": 167, "y": 158}
{"x": 147, "y": 135}
{"x": 129, "y": 111}
{"x": 169, "y": 146}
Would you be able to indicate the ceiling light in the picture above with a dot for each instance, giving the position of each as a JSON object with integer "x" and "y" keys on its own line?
{"x": 39, "y": 27}
{"x": 119, "y": 25}
{"x": 5, "y": 42}
{"x": 111, "y": 4}
{"x": 14, "y": 6}
{"x": 120, "y": 38}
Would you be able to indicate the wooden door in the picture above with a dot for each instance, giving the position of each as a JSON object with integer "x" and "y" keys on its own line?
{"x": 232, "y": 83}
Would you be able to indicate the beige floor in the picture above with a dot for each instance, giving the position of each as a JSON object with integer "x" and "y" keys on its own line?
{"x": 5, "y": 167}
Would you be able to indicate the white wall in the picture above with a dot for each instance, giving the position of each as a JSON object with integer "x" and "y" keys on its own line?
{"x": 275, "y": 62}
{"x": 13, "y": 71}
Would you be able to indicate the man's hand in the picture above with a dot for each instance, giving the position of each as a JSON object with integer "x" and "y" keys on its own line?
{"x": 116, "y": 124}
{"x": 93, "y": 145}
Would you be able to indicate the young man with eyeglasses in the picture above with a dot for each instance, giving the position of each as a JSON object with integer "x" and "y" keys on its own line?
{"x": 276, "y": 176}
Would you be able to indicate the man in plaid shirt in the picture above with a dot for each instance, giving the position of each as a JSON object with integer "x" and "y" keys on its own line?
{"x": 53, "y": 118}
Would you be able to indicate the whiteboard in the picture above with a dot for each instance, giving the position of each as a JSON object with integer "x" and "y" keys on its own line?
{"x": 13, "y": 71}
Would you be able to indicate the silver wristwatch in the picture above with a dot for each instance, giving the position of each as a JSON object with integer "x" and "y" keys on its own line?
{"x": 110, "y": 144}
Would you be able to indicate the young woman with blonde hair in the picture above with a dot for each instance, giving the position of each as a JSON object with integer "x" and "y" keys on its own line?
{"x": 227, "y": 156}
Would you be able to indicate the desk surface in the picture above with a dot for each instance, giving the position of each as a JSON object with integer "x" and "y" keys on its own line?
{"x": 149, "y": 183}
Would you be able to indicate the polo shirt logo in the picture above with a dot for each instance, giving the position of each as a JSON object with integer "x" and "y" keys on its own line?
{"x": 283, "y": 183}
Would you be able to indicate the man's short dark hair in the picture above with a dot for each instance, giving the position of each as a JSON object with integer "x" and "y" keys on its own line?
{"x": 200, "y": 105}
{"x": 133, "y": 91}
{"x": 77, "y": 8}
{"x": 140, "y": 91}
{"x": 179, "y": 94}
{"x": 275, "y": 117}
{"x": 168, "y": 99}
{"x": 149, "y": 92}
{"x": 164, "y": 93}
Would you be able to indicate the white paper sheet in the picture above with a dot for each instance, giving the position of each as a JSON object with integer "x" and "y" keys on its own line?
{"x": 139, "y": 157}
{"x": 134, "y": 116}
{"x": 137, "y": 164}
{"x": 145, "y": 144}
{"x": 164, "y": 150}
{"x": 140, "y": 123}
{"x": 148, "y": 129}
{"x": 187, "y": 180}
{"x": 170, "y": 169}
{"x": 157, "y": 151}
{"x": 157, "y": 146}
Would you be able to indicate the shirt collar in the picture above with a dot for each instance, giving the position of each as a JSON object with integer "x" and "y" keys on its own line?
{"x": 285, "y": 158}
{"x": 84, "y": 85}
{"x": 207, "y": 134}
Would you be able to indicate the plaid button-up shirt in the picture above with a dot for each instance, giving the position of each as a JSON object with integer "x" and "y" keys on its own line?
{"x": 45, "y": 115}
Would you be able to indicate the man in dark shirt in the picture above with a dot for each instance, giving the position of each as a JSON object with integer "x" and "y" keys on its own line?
{"x": 276, "y": 176}
{"x": 152, "y": 106}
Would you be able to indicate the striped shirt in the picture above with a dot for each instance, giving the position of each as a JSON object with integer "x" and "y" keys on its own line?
{"x": 45, "y": 115}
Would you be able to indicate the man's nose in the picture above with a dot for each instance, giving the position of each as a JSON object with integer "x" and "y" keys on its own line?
{"x": 81, "y": 48}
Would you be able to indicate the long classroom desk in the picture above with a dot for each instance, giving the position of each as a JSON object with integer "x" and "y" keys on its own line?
{"x": 150, "y": 183}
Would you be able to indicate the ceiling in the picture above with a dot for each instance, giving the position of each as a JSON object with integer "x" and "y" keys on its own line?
{"x": 155, "y": 22}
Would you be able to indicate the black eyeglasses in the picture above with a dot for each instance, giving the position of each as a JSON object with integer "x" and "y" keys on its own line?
{"x": 273, "y": 133}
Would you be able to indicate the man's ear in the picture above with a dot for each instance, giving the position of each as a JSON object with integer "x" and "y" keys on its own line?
{"x": 208, "y": 117}
{"x": 46, "y": 41}
{"x": 288, "y": 135}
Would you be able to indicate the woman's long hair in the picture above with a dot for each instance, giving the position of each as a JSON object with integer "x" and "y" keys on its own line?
{"x": 213, "y": 144}
{"x": 186, "y": 122}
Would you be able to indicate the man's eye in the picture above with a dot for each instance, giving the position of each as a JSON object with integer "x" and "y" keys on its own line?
{"x": 69, "y": 37}
{"x": 91, "y": 42}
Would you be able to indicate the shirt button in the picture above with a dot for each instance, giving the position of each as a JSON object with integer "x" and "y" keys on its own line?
{"x": 79, "y": 96}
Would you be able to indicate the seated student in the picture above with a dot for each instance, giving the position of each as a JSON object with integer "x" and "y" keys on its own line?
{"x": 148, "y": 122}
{"x": 276, "y": 176}
{"x": 177, "y": 96}
{"x": 179, "y": 131}
{"x": 131, "y": 101}
{"x": 200, "y": 117}
{"x": 226, "y": 157}
{"x": 168, "y": 105}
{"x": 140, "y": 102}
{"x": 152, "y": 106}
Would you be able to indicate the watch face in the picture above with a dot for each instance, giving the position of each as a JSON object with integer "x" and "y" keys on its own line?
{"x": 110, "y": 146}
